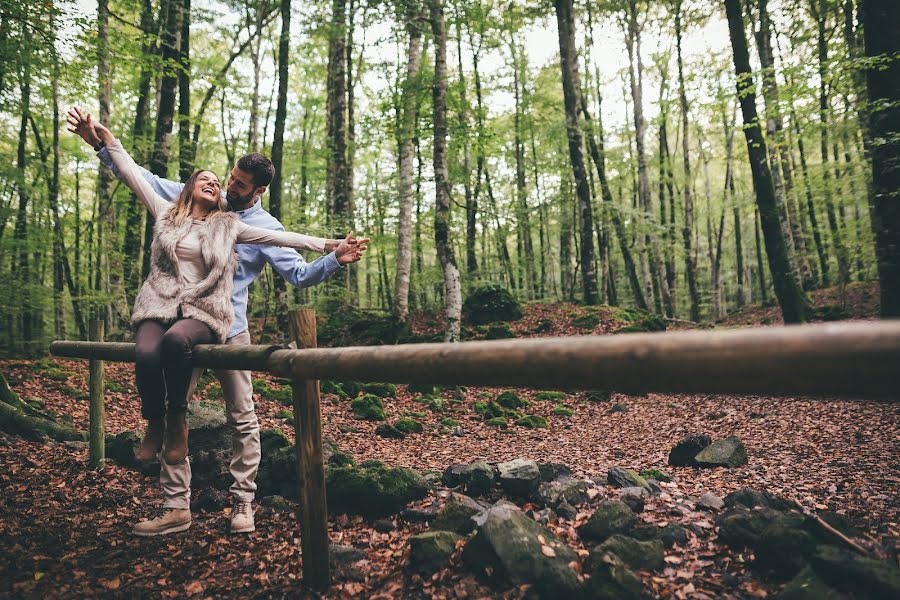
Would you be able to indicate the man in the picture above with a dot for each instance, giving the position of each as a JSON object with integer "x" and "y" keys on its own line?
{"x": 247, "y": 182}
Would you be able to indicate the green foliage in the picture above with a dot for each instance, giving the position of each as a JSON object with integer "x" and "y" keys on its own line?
{"x": 382, "y": 390}
{"x": 561, "y": 410}
{"x": 115, "y": 387}
{"x": 283, "y": 395}
{"x": 407, "y": 425}
{"x": 532, "y": 421}
{"x": 551, "y": 396}
{"x": 510, "y": 399}
{"x": 480, "y": 408}
{"x": 490, "y": 303}
{"x": 368, "y": 407}
{"x": 352, "y": 388}
{"x": 214, "y": 391}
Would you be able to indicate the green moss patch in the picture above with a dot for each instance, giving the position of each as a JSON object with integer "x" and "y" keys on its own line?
{"x": 368, "y": 407}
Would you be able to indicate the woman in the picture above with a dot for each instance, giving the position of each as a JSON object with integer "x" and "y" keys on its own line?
{"x": 186, "y": 299}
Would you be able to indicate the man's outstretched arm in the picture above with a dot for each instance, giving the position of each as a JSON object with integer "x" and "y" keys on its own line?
{"x": 167, "y": 189}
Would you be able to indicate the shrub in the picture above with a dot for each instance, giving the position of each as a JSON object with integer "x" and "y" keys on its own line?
{"x": 532, "y": 421}
{"x": 510, "y": 399}
{"x": 368, "y": 407}
{"x": 556, "y": 396}
{"x": 561, "y": 410}
{"x": 407, "y": 425}
{"x": 382, "y": 390}
{"x": 490, "y": 303}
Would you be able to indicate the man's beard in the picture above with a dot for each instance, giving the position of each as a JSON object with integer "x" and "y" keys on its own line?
{"x": 236, "y": 200}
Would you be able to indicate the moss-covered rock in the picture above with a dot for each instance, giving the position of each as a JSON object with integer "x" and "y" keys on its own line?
{"x": 683, "y": 453}
{"x": 561, "y": 410}
{"x": 283, "y": 394}
{"x": 587, "y": 321}
{"x": 669, "y": 535}
{"x": 479, "y": 478}
{"x": 331, "y": 387}
{"x": 612, "y": 579}
{"x": 352, "y": 388}
{"x": 389, "y": 431}
{"x": 432, "y": 403}
{"x": 519, "y": 477}
{"x": 407, "y": 425}
{"x": 610, "y": 517}
{"x": 624, "y": 478}
{"x": 490, "y": 303}
{"x": 286, "y": 414}
{"x": 783, "y": 549}
{"x": 496, "y": 422}
{"x": 647, "y": 555}
{"x": 368, "y": 407}
{"x": 372, "y": 489}
{"x": 598, "y": 396}
{"x": 510, "y": 399}
{"x": 808, "y": 586}
{"x": 729, "y": 452}
{"x": 856, "y": 575}
{"x": 456, "y": 516}
{"x": 555, "y": 396}
{"x": 617, "y": 408}
{"x": 543, "y": 326}
{"x": 431, "y": 550}
{"x": 499, "y": 332}
{"x": 573, "y": 491}
{"x": 449, "y": 422}
{"x": 382, "y": 390}
{"x": 656, "y": 474}
{"x": 425, "y": 389}
{"x": 532, "y": 422}
{"x": 271, "y": 440}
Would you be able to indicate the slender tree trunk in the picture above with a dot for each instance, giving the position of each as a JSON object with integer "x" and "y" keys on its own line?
{"x": 810, "y": 205}
{"x": 21, "y": 271}
{"x": 352, "y": 275}
{"x": 881, "y": 31}
{"x": 790, "y": 296}
{"x": 337, "y": 175}
{"x": 523, "y": 217}
{"x": 760, "y": 266}
{"x": 452, "y": 291}
{"x": 413, "y": 17}
{"x": 185, "y": 147}
{"x": 256, "y": 60}
{"x": 277, "y": 186}
{"x": 571, "y": 93}
{"x": 690, "y": 268}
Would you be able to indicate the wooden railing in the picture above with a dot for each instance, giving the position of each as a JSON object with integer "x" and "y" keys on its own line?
{"x": 851, "y": 359}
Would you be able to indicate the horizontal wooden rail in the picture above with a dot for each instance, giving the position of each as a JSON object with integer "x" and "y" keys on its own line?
{"x": 854, "y": 359}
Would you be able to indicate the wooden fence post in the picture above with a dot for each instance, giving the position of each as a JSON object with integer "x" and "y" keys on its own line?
{"x": 310, "y": 461}
{"x": 97, "y": 388}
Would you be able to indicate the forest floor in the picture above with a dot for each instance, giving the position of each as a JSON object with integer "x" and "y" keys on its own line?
{"x": 65, "y": 530}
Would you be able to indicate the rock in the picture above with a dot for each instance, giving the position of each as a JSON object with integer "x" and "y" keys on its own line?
{"x": 618, "y": 407}
{"x": 510, "y": 399}
{"x": 408, "y": 425}
{"x": 750, "y": 498}
{"x": 782, "y": 549}
{"x": 519, "y": 477}
{"x": 456, "y": 516}
{"x": 729, "y": 452}
{"x": 368, "y": 407}
{"x": 611, "y": 579}
{"x": 209, "y": 499}
{"x": 490, "y": 303}
{"x": 384, "y": 525}
{"x": 508, "y": 547}
{"x": 566, "y": 510}
{"x": 710, "y": 501}
{"x": 120, "y": 448}
{"x": 740, "y": 526}
{"x": 656, "y": 474}
{"x": 807, "y": 586}
{"x": 857, "y": 575}
{"x": 609, "y": 518}
{"x": 389, "y": 431}
{"x": 418, "y": 515}
{"x": 553, "y": 471}
{"x": 479, "y": 478}
{"x": 634, "y": 497}
{"x": 344, "y": 554}
{"x": 459, "y": 431}
{"x": 543, "y": 516}
{"x": 682, "y": 455}
{"x": 276, "y": 503}
{"x": 372, "y": 489}
{"x": 571, "y": 490}
{"x": 431, "y": 550}
{"x": 669, "y": 535}
{"x": 623, "y": 478}
{"x": 532, "y": 422}
{"x": 382, "y": 390}
{"x": 454, "y": 475}
{"x": 646, "y": 555}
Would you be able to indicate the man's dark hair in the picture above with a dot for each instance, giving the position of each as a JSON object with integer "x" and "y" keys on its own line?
{"x": 259, "y": 166}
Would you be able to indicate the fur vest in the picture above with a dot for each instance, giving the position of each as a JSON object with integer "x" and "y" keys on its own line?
{"x": 208, "y": 301}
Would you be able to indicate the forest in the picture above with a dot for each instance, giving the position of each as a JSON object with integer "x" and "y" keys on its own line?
{"x": 613, "y": 204}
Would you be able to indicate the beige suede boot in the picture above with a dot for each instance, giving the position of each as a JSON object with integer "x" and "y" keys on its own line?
{"x": 171, "y": 521}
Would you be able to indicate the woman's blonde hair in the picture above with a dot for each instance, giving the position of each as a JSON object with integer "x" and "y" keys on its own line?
{"x": 185, "y": 201}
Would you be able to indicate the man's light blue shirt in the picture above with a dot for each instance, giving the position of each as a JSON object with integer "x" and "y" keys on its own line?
{"x": 252, "y": 258}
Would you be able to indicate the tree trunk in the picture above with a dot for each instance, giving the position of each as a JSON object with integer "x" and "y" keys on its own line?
{"x": 185, "y": 148}
{"x": 405, "y": 134}
{"x": 790, "y": 296}
{"x": 523, "y": 217}
{"x": 571, "y": 93}
{"x": 690, "y": 268}
{"x": 277, "y": 186}
{"x": 881, "y": 31}
{"x": 337, "y": 176}
{"x": 20, "y": 232}
{"x": 463, "y": 117}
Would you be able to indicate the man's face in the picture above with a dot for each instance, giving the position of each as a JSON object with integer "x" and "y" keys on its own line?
{"x": 241, "y": 190}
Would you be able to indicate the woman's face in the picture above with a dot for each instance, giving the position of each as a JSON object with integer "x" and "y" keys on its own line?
{"x": 207, "y": 190}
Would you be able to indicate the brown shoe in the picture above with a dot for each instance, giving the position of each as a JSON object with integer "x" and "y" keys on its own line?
{"x": 152, "y": 441}
{"x": 176, "y": 446}
{"x": 170, "y": 521}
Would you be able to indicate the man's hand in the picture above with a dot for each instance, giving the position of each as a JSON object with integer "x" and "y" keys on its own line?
{"x": 81, "y": 124}
{"x": 350, "y": 249}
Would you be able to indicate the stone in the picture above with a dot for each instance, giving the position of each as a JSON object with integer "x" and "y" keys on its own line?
{"x": 610, "y": 517}
{"x": 571, "y": 490}
{"x": 618, "y": 407}
{"x": 344, "y": 554}
{"x": 418, "y": 515}
{"x": 383, "y": 526}
{"x": 454, "y": 475}
{"x": 456, "y": 515}
{"x": 729, "y": 452}
{"x": 519, "y": 477}
{"x": 372, "y": 489}
{"x": 634, "y": 497}
{"x": 647, "y": 555}
{"x": 431, "y": 550}
{"x": 490, "y": 303}
{"x": 510, "y": 547}
{"x": 783, "y": 549}
{"x": 669, "y": 535}
{"x": 682, "y": 455}
{"x": 611, "y": 579}
{"x": 368, "y": 407}
{"x": 510, "y": 399}
{"x": 542, "y": 516}
{"x": 388, "y": 431}
{"x": 479, "y": 478}
{"x": 276, "y": 503}
{"x": 807, "y": 586}
{"x": 553, "y": 471}
{"x": 751, "y": 498}
{"x": 566, "y": 510}
{"x": 623, "y": 478}
{"x": 657, "y": 475}
{"x": 532, "y": 422}
{"x": 710, "y": 501}
{"x": 857, "y": 575}
{"x": 408, "y": 425}
{"x": 741, "y": 526}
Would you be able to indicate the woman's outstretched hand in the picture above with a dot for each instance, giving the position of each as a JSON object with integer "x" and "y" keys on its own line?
{"x": 350, "y": 249}
{"x": 89, "y": 130}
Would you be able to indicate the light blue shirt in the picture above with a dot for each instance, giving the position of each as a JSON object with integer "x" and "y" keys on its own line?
{"x": 252, "y": 258}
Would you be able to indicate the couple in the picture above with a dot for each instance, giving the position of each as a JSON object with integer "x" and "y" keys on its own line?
{"x": 196, "y": 293}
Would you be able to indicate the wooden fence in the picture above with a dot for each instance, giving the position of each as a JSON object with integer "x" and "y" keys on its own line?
{"x": 851, "y": 359}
